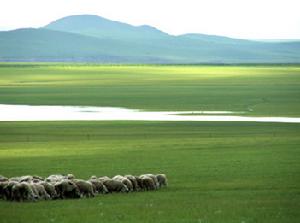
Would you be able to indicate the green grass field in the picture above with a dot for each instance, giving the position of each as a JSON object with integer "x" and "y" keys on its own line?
{"x": 262, "y": 90}
{"x": 218, "y": 172}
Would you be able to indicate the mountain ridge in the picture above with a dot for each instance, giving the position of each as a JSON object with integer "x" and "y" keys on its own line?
{"x": 97, "y": 26}
{"x": 91, "y": 38}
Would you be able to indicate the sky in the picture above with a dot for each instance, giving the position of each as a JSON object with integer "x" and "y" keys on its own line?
{"x": 248, "y": 19}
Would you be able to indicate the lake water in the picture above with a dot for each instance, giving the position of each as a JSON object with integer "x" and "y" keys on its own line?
{"x": 76, "y": 113}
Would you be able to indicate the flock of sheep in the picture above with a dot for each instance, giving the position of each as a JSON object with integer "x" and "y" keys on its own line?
{"x": 33, "y": 188}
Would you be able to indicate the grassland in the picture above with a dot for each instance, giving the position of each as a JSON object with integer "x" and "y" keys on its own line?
{"x": 261, "y": 90}
{"x": 218, "y": 172}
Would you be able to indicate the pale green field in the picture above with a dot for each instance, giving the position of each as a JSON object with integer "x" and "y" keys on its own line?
{"x": 259, "y": 90}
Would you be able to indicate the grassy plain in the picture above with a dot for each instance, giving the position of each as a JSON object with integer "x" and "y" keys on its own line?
{"x": 261, "y": 90}
{"x": 218, "y": 172}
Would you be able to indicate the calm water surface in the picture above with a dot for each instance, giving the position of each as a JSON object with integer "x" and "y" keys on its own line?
{"x": 73, "y": 113}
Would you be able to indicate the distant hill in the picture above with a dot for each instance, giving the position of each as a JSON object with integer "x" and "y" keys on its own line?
{"x": 96, "y": 26}
{"x": 90, "y": 38}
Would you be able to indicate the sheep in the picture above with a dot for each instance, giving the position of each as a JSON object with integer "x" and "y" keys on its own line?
{"x": 54, "y": 178}
{"x": 115, "y": 186}
{"x": 94, "y": 186}
{"x": 98, "y": 186}
{"x": 23, "y": 192}
{"x": 32, "y": 188}
{"x": 3, "y": 179}
{"x": 94, "y": 177}
{"x": 40, "y": 192}
{"x": 102, "y": 179}
{"x": 50, "y": 189}
{"x": 7, "y": 190}
{"x": 14, "y": 179}
{"x": 125, "y": 181}
{"x": 147, "y": 182}
{"x": 36, "y": 177}
{"x": 67, "y": 189}
{"x": 3, "y": 188}
{"x": 153, "y": 177}
{"x": 70, "y": 176}
{"x": 134, "y": 182}
{"x": 26, "y": 179}
{"x": 37, "y": 181}
{"x": 17, "y": 192}
{"x": 85, "y": 187}
{"x": 59, "y": 177}
{"x": 140, "y": 183}
{"x": 162, "y": 179}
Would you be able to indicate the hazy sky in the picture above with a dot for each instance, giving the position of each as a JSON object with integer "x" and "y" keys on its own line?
{"x": 254, "y": 19}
